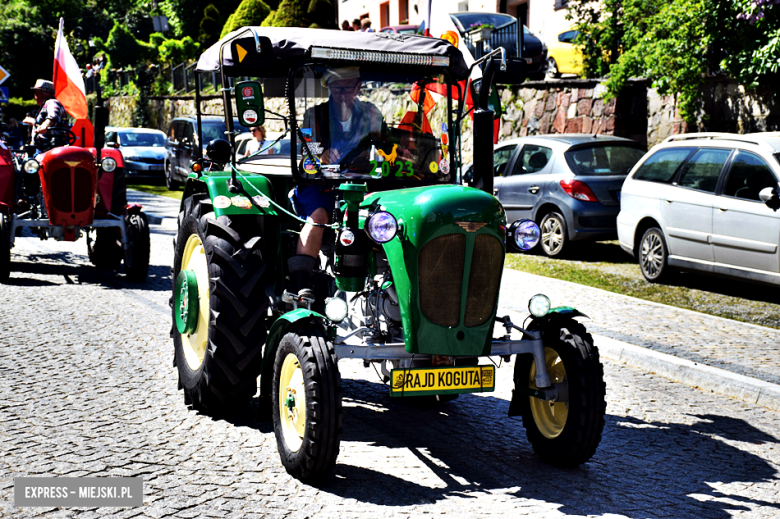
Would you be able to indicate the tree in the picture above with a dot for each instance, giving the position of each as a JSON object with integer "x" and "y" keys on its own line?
{"x": 210, "y": 26}
{"x": 123, "y": 50}
{"x": 322, "y": 14}
{"x": 249, "y": 13}
{"x": 291, "y": 13}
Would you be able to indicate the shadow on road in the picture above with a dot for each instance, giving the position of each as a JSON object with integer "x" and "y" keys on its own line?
{"x": 642, "y": 468}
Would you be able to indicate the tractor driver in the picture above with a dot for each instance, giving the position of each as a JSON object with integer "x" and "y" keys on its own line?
{"x": 50, "y": 114}
{"x": 339, "y": 125}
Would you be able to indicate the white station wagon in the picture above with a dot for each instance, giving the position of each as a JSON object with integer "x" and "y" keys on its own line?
{"x": 705, "y": 202}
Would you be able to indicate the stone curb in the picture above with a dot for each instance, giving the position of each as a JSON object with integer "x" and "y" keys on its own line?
{"x": 691, "y": 373}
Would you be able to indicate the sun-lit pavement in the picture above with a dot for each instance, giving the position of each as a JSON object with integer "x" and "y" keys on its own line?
{"x": 87, "y": 388}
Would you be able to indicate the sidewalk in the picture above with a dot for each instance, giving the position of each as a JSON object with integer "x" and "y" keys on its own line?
{"x": 728, "y": 357}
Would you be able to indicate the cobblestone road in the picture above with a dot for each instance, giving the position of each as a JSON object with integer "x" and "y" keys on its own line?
{"x": 87, "y": 389}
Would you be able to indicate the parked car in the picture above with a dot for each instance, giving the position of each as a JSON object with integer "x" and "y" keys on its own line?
{"x": 280, "y": 148}
{"x": 401, "y": 29}
{"x": 182, "y": 137}
{"x": 708, "y": 203}
{"x": 568, "y": 184}
{"x": 563, "y": 56}
{"x": 143, "y": 151}
{"x": 504, "y": 35}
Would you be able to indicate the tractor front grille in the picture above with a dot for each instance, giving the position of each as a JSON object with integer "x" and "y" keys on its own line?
{"x": 82, "y": 196}
{"x": 485, "y": 276}
{"x": 440, "y": 267}
{"x": 60, "y": 190}
{"x": 70, "y": 197}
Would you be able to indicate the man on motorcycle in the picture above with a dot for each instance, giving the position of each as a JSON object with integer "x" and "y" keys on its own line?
{"x": 50, "y": 114}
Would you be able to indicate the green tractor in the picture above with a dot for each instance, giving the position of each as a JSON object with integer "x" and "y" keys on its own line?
{"x": 361, "y": 242}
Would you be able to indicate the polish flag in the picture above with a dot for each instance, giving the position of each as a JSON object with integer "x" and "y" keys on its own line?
{"x": 68, "y": 83}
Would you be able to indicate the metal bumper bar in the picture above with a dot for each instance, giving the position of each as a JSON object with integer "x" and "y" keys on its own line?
{"x": 110, "y": 221}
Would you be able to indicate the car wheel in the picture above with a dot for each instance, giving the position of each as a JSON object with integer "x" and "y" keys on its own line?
{"x": 555, "y": 237}
{"x": 170, "y": 183}
{"x": 653, "y": 256}
{"x": 552, "y": 69}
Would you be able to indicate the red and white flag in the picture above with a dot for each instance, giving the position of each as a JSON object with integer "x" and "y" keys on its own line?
{"x": 68, "y": 83}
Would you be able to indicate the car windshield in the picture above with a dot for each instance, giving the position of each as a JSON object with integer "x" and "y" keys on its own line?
{"x": 216, "y": 130}
{"x": 141, "y": 139}
{"x": 345, "y": 136}
{"x": 610, "y": 159}
{"x": 496, "y": 20}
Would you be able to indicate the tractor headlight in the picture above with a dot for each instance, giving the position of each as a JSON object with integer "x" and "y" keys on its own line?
{"x": 539, "y": 305}
{"x": 31, "y": 166}
{"x": 525, "y": 234}
{"x": 108, "y": 164}
{"x": 382, "y": 227}
{"x": 336, "y": 309}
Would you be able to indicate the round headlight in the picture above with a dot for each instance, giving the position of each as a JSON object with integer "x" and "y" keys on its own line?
{"x": 108, "y": 164}
{"x": 539, "y": 305}
{"x": 336, "y": 309}
{"x": 525, "y": 234}
{"x": 31, "y": 166}
{"x": 382, "y": 227}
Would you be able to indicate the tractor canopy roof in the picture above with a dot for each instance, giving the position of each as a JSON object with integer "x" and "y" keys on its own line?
{"x": 292, "y": 45}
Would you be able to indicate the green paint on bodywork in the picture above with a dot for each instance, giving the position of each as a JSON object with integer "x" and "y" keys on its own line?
{"x": 217, "y": 185}
{"x": 424, "y": 214}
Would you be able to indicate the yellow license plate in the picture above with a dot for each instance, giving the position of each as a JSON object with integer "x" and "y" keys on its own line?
{"x": 442, "y": 381}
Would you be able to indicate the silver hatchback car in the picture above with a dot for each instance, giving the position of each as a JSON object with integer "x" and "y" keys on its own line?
{"x": 568, "y": 184}
{"x": 708, "y": 203}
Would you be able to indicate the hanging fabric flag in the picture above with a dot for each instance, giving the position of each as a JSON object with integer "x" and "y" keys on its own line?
{"x": 68, "y": 83}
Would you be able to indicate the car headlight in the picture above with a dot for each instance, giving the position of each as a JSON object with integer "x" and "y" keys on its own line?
{"x": 539, "y": 305}
{"x": 525, "y": 234}
{"x": 108, "y": 164}
{"x": 336, "y": 309}
{"x": 382, "y": 227}
{"x": 31, "y": 166}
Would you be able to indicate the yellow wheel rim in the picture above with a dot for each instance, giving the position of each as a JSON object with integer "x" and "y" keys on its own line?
{"x": 195, "y": 343}
{"x": 550, "y": 417}
{"x": 292, "y": 402}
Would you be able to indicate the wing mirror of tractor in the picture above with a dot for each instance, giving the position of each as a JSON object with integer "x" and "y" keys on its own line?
{"x": 514, "y": 73}
{"x": 219, "y": 150}
{"x": 251, "y": 52}
{"x": 249, "y": 101}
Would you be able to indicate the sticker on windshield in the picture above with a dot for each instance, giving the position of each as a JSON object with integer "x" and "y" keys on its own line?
{"x": 311, "y": 165}
{"x": 443, "y": 127}
{"x": 250, "y": 117}
{"x": 433, "y": 167}
{"x": 315, "y": 148}
{"x": 221, "y": 202}
{"x": 444, "y": 166}
{"x": 306, "y": 132}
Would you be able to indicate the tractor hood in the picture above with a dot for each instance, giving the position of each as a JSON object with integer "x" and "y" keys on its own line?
{"x": 446, "y": 262}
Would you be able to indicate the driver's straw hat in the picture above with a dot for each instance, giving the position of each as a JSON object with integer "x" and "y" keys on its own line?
{"x": 44, "y": 85}
{"x": 339, "y": 74}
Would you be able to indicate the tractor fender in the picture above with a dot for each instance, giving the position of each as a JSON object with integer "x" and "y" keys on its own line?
{"x": 226, "y": 202}
{"x": 275, "y": 334}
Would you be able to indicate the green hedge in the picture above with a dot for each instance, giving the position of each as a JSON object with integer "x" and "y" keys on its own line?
{"x": 17, "y": 108}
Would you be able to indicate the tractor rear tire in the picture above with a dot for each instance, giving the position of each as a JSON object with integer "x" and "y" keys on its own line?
{"x": 5, "y": 249}
{"x": 306, "y": 408}
{"x": 137, "y": 256}
{"x": 564, "y": 433}
{"x": 105, "y": 249}
{"x": 219, "y": 362}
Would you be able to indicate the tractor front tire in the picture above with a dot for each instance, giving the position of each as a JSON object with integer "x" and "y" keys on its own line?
{"x": 306, "y": 407}
{"x": 105, "y": 249}
{"x": 567, "y": 432}
{"x": 137, "y": 256}
{"x": 220, "y": 358}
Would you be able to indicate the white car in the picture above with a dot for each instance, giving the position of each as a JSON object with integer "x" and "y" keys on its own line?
{"x": 705, "y": 202}
{"x": 143, "y": 150}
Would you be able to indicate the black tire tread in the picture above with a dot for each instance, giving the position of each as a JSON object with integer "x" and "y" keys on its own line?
{"x": 5, "y": 249}
{"x": 316, "y": 458}
{"x": 227, "y": 379}
{"x": 104, "y": 250}
{"x": 137, "y": 226}
{"x": 581, "y": 436}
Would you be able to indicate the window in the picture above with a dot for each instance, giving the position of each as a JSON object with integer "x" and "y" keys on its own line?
{"x": 615, "y": 159}
{"x": 561, "y": 4}
{"x": 662, "y": 165}
{"x": 501, "y": 158}
{"x": 567, "y": 37}
{"x": 748, "y": 175}
{"x": 403, "y": 12}
{"x": 533, "y": 158}
{"x": 384, "y": 14}
{"x": 702, "y": 171}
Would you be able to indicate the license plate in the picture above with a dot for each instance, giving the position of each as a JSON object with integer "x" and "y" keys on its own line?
{"x": 155, "y": 168}
{"x": 442, "y": 381}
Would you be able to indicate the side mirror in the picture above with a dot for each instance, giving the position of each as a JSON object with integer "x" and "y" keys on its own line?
{"x": 483, "y": 150}
{"x": 767, "y": 194}
{"x": 514, "y": 73}
{"x": 249, "y": 102}
{"x": 112, "y": 144}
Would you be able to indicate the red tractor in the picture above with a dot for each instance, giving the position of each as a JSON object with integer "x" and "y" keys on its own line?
{"x": 67, "y": 191}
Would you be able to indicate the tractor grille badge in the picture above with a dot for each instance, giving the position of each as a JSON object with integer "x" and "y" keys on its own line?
{"x": 471, "y": 226}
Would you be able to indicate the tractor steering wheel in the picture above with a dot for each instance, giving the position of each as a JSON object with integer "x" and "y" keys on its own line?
{"x": 72, "y": 138}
